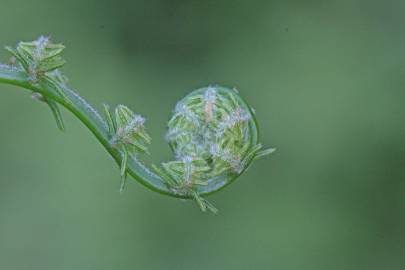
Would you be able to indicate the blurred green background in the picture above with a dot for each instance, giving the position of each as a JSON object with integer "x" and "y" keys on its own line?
{"x": 326, "y": 79}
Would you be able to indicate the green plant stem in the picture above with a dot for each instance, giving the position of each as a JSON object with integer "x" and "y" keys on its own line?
{"x": 97, "y": 125}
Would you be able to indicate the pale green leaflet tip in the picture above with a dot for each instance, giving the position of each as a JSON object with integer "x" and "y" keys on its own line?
{"x": 265, "y": 152}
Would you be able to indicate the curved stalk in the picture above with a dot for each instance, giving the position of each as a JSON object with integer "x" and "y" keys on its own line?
{"x": 213, "y": 131}
{"x": 91, "y": 118}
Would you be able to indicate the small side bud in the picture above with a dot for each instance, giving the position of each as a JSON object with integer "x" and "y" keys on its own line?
{"x": 39, "y": 56}
{"x": 127, "y": 134}
{"x": 41, "y": 59}
{"x": 130, "y": 130}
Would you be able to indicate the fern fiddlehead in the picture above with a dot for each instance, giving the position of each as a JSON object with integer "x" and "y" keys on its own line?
{"x": 213, "y": 132}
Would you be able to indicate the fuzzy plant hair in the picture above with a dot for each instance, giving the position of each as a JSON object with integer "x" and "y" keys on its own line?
{"x": 213, "y": 132}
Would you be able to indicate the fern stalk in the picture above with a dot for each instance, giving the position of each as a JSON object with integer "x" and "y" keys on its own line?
{"x": 213, "y": 132}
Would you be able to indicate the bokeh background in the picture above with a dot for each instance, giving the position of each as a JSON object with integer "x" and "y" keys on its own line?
{"x": 326, "y": 79}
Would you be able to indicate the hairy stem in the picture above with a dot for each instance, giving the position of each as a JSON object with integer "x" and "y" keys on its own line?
{"x": 91, "y": 119}
{"x": 98, "y": 126}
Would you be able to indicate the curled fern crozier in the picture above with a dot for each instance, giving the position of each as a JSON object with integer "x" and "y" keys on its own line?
{"x": 212, "y": 132}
